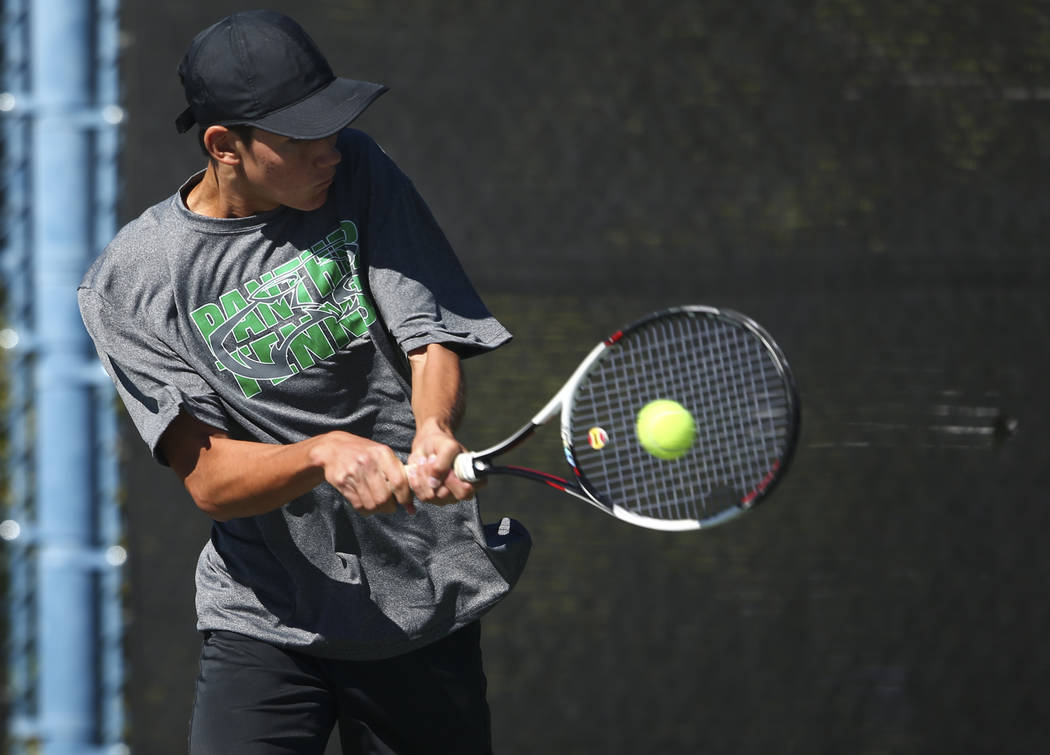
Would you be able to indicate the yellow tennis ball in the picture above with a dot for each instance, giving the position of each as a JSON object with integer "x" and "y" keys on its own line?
{"x": 665, "y": 429}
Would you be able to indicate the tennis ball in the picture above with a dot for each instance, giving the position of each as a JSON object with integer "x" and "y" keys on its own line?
{"x": 665, "y": 429}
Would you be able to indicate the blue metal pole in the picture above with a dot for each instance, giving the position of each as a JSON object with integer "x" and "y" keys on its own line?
{"x": 110, "y": 523}
{"x": 17, "y": 340}
{"x": 62, "y": 72}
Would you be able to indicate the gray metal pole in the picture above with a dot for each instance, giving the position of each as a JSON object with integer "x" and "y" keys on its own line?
{"x": 62, "y": 71}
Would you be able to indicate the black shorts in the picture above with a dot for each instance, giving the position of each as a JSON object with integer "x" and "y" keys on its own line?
{"x": 255, "y": 699}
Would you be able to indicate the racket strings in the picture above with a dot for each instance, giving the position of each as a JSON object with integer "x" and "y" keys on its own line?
{"x": 730, "y": 381}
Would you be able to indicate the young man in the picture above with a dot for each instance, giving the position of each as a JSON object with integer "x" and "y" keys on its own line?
{"x": 285, "y": 332}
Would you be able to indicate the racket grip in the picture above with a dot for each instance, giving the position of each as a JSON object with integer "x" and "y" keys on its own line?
{"x": 463, "y": 466}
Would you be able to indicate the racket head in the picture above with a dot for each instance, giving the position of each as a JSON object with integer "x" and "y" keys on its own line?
{"x": 727, "y": 371}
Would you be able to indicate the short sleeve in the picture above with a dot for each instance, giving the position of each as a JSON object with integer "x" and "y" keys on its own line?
{"x": 153, "y": 381}
{"x": 420, "y": 287}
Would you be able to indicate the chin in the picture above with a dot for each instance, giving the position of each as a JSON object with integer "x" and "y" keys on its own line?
{"x": 313, "y": 203}
{"x": 307, "y": 205}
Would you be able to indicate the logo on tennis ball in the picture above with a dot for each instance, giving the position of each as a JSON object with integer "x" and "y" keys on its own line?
{"x": 597, "y": 438}
{"x": 665, "y": 429}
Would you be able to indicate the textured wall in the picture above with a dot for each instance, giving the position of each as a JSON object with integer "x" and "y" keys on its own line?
{"x": 866, "y": 179}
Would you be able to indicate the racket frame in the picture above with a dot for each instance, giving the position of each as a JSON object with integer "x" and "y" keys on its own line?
{"x": 471, "y": 466}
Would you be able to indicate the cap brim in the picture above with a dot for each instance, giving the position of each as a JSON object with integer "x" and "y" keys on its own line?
{"x": 328, "y": 110}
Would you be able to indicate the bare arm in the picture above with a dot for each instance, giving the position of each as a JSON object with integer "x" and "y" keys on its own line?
{"x": 437, "y": 402}
{"x": 230, "y": 478}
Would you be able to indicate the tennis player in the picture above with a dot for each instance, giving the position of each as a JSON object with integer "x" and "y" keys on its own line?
{"x": 286, "y": 331}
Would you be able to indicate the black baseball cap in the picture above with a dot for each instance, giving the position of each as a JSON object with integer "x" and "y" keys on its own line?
{"x": 259, "y": 68}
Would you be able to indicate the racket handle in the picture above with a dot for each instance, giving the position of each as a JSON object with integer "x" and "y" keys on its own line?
{"x": 463, "y": 466}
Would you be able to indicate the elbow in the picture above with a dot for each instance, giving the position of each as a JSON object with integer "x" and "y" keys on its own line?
{"x": 207, "y": 502}
{"x": 213, "y": 511}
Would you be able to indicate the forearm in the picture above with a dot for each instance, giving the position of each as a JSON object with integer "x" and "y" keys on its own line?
{"x": 232, "y": 478}
{"x": 228, "y": 478}
{"x": 438, "y": 389}
{"x": 438, "y": 392}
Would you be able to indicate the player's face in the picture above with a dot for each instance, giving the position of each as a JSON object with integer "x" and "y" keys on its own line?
{"x": 295, "y": 173}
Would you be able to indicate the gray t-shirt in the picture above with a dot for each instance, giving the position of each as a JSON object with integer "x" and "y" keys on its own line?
{"x": 289, "y": 324}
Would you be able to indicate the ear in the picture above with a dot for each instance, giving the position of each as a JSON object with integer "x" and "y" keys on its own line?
{"x": 223, "y": 145}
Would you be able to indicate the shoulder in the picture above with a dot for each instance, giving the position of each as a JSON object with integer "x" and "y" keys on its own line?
{"x": 134, "y": 258}
{"x": 353, "y": 143}
{"x": 363, "y": 156}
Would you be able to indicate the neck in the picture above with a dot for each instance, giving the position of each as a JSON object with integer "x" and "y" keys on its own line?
{"x": 216, "y": 195}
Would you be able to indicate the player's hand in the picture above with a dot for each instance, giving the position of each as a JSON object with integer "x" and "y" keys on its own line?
{"x": 429, "y": 469}
{"x": 367, "y": 474}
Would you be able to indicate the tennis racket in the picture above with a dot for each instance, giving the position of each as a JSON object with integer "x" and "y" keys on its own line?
{"x": 718, "y": 364}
